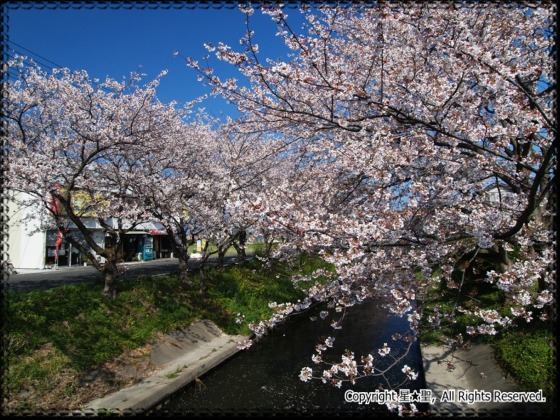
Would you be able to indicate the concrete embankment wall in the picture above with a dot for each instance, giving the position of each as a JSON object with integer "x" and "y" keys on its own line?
{"x": 183, "y": 356}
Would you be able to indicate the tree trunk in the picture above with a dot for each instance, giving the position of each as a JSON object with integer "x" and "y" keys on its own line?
{"x": 268, "y": 243}
{"x": 184, "y": 275}
{"x": 221, "y": 256}
{"x": 503, "y": 262}
{"x": 202, "y": 275}
{"x": 203, "y": 279}
{"x": 110, "y": 273}
{"x": 202, "y": 270}
{"x": 240, "y": 248}
{"x": 498, "y": 257}
{"x": 241, "y": 254}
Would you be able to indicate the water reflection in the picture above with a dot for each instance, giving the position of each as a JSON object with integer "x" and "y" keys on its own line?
{"x": 264, "y": 378}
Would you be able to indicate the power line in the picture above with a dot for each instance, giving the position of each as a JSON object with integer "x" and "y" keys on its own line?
{"x": 12, "y": 53}
{"x": 34, "y": 53}
{"x": 36, "y": 61}
{"x": 105, "y": 89}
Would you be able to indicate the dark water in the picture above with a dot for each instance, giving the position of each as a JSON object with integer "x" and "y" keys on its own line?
{"x": 264, "y": 378}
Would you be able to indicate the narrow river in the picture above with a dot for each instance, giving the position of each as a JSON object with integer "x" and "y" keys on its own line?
{"x": 264, "y": 378}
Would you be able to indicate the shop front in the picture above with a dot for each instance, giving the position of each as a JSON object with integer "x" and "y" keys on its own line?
{"x": 59, "y": 252}
{"x": 161, "y": 244}
{"x": 154, "y": 244}
{"x": 138, "y": 246}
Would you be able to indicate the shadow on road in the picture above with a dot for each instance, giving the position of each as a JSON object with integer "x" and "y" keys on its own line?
{"x": 47, "y": 279}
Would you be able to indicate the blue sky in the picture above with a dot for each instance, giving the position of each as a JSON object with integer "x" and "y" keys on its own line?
{"x": 116, "y": 41}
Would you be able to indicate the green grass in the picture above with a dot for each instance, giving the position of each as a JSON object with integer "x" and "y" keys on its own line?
{"x": 529, "y": 355}
{"x": 249, "y": 290}
{"x": 89, "y": 329}
{"x": 172, "y": 375}
{"x": 473, "y": 294}
{"x": 73, "y": 328}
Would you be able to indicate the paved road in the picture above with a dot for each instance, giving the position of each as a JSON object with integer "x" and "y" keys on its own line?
{"x": 46, "y": 279}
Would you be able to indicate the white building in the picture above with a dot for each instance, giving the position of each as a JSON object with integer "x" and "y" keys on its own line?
{"x": 32, "y": 243}
{"x": 26, "y": 240}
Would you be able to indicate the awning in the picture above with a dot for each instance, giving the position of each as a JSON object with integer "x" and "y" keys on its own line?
{"x": 136, "y": 232}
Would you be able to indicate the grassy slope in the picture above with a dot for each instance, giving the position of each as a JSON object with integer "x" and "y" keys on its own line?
{"x": 55, "y": 337}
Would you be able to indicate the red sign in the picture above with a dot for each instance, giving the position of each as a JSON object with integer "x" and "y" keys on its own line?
{"x": 58, "y": 243}
{"x": 55, "y": 203}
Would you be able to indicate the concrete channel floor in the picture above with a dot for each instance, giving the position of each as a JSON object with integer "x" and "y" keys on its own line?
{"x": 476, "y": 371}
{"x": 185, "y": 355}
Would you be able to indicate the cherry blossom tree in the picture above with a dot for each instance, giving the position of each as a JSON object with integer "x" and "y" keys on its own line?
{"x": 427, "y": 145}
{"x": 250, "y": 162}
{"x": 196, "y": 180}
{"x": 240, "y": 163}
{"x": 199, "y": 190}
{"x": 180, "y": 173}
{"x": 76, "y": 147}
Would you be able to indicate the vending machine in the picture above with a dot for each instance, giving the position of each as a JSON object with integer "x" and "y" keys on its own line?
{"x": 148, "y": 251}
